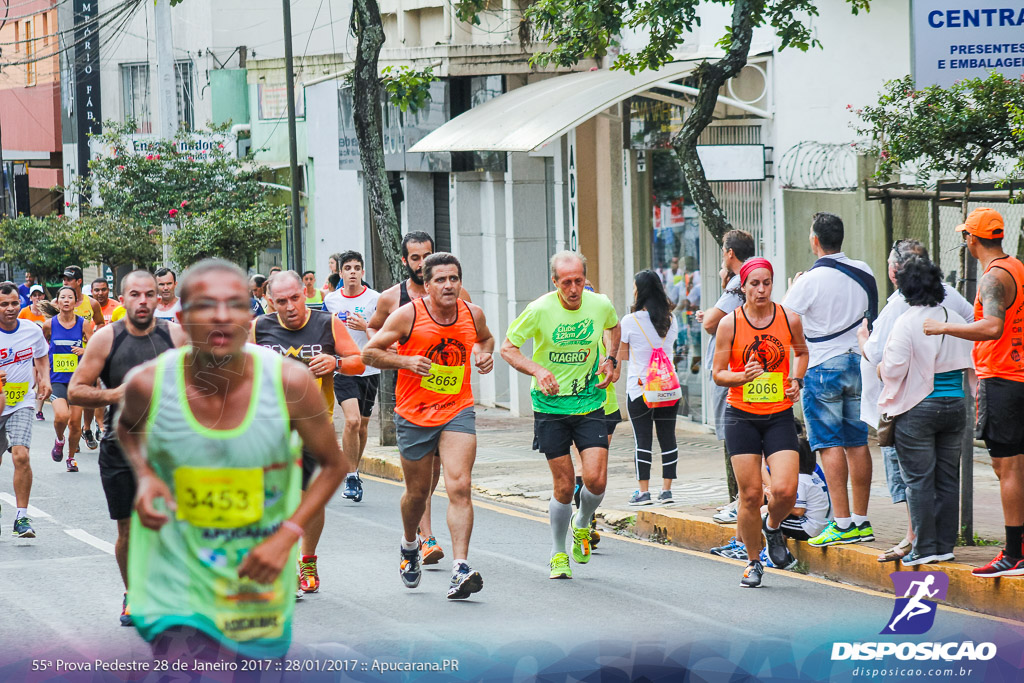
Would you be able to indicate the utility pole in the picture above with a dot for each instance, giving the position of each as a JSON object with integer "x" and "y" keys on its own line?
{"x": 166, "y": 94}
{"x": 3, "y": 177}
{"x": 295, "y": 239}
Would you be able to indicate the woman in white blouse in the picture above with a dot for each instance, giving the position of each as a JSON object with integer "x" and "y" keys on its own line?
{"x": 922, "y": 378}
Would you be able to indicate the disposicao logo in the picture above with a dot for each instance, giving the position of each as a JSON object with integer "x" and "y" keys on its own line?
{"x": 914, "y": 614}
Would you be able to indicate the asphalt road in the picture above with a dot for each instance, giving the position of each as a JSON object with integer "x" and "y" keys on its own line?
{"x": 637, "y": 605}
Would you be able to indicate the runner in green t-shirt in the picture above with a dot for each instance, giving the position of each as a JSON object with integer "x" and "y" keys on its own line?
{"x": 566, "y": 327}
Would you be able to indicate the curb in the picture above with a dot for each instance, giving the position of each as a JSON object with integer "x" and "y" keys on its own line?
{"x": 381, "y": 467}
{"x": 1002, "y": 597}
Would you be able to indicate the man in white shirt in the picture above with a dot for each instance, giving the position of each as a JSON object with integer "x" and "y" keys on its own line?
{"x": 168, "y": 305}
{"x": 354, "y": 304}
{"x": 872, "y": 347}
{"x": 833, "y": 298}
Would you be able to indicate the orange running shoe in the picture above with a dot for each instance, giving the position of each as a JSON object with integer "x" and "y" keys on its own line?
{"x": 431, "y": 551}
{"x": 309, "y": 580}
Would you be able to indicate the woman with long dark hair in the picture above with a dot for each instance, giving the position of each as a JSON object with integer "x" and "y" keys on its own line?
{"x": 650, "y": 326}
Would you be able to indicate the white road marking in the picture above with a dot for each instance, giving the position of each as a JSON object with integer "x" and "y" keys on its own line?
{"x": 32, "y": 510}
{"x": 86, "y": 537}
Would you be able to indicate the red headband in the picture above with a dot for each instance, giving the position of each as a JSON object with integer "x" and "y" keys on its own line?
{"x": 753, "y": 264}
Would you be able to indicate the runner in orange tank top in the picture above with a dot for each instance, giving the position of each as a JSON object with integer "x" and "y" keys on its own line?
{"x": 752, "y": 358}
{"x": 439, "y": 336}
{"x": 998, "y": 336}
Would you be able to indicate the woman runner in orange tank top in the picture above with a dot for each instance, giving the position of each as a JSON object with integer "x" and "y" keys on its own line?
{"x": 752, "y": 358}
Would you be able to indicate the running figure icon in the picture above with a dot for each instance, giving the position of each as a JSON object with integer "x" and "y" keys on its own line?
{"x": 915, "y": 606}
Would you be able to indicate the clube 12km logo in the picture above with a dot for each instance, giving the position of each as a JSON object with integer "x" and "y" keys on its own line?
{"x": 914, "y": 614}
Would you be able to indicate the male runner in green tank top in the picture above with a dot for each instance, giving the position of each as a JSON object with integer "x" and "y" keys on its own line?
{"x": 208, "y": 431}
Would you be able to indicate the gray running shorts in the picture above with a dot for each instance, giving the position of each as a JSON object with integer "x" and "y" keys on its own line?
{"x": 415, "y": 442}
{"x": 16, "y": 428}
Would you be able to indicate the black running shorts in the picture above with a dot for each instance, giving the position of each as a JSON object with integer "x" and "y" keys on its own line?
{"x": 1001, "y": 416}
{"x": 363, "y": 389}
{"x": 554, "y": 434}
{"x": 767, "y": 434}
{"x": 309, "y": 465}
{"x": 117, "y": 479}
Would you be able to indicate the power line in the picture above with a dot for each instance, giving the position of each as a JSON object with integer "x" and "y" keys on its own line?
{"x": 119, "y": 13}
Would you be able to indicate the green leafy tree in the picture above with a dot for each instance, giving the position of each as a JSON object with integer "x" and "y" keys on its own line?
{"x": 117, "y": 243}
{"x": 238, "y": 236}
{"x": 44, "y": 245}
{"x": 578, "y": 29}
{"x": 957, "y": 132}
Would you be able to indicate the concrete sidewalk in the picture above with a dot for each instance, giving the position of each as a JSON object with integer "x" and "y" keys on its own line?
{"x": 509, "y": 469}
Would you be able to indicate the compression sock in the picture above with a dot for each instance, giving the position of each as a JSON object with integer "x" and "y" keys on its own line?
{"x": 559, "y": 514}
{"x": 1013, "y": 541}
{"x": 588, "y": 506}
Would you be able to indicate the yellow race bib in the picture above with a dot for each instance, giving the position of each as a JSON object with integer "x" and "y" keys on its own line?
{"x": 14, "y": 392}
{"x": 219, "y": 498}
{"x": 444, "y": 379}
{"x": 764, "y": 389}
{"x": 65, "y": 362}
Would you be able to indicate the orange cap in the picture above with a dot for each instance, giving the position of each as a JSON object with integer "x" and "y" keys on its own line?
{"x": 983, "y": 222}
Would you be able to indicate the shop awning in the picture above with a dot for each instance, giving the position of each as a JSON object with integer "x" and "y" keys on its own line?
{"x": 527, "y": 118}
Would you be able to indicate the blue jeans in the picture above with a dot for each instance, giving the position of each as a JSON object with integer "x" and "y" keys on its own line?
{"x": 831, "y": 400}
{"x": 893, "y": 476}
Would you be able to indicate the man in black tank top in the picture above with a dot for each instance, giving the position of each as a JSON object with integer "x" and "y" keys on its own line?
{"x": 416, "y": 247}
{"x": 112, "y": 353}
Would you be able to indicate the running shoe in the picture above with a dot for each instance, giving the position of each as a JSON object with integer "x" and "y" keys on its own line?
{"x": 309, "y": 580}
{"x": 767, "y": 561}
{"x": 465, "y": 582}
{"x": 1001, "y": 566}
{"x": 57, "y": 452}
{"x": 39, "y": 416}
{"x": 580, "y": 544}
{"x": 353, "y": 488}
{"x": 410, "y": 569}
{"x": 865, "y": 532}
{"x": 945, "y": 557}
{"x": 833, "y": 535}
{"x": 665, "y": 498}
{"x": 914, "y": 558}
{"x": 733, "y": 550}
{"x": 126, "y": 614}
{"x": 72, "y": 464}
{"x": 778, "y": 551}
{"x": 638, "y": 499}
{"x": 595, "y": 537}
{"x": 431, "y": 551}
{"x": 560, "y": 568}
{"x": 752, "y": 575}
{"x": 727, "y": 515}
{"x": 23, "y": 528}
{"x": 90, "y": 440}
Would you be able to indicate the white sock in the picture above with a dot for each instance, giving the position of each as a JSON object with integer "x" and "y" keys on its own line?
{"x": 559, "y": 514}
{"x": 843, "y": 522}
{"x": 859, "y": 519}
{"x": 409, "y": 545}
{"x": 22, "y": 512}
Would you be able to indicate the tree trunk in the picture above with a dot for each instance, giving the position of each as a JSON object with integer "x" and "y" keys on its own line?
{"x": 366, "y": 115}
{"x": 710, "y": 79}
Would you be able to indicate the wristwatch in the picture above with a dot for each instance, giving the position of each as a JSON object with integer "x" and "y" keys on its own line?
{"x": 799, "y": 381}
{"x": 614, "y": 360}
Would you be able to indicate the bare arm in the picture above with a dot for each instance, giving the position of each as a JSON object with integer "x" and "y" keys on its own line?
{"x": 712, "y": 318}
{"x": 386, "y": 304}
{"x": 308, "y": 416}
{"x": 612, "y": 337}
{"x": 801, "y": 354}
{"x": 41, "y": 366}
{"x": 82, "y": 391}
{"x": 720, "y": 372}
{"x": 397, "y": 327}
{"x": 995, "y": 289}
{"x": 97, "y": 313}
{"x": 131, "y": 434}
{"x": 483, "y": 349}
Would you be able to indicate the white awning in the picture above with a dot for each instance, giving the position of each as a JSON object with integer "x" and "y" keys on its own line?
{"x": 527, "y": 118}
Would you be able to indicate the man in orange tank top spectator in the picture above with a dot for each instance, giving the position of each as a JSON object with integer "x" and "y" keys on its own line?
{"x": 998, "y": 336}
{"x": 438, "y": 338}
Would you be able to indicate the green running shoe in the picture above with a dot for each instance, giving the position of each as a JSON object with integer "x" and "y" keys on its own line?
{"x": 865, "y": 533}
{"x": 833, "y": 535}
{"x": 23, "y": 528}
{"x": 560, "y": 566}
{"x": 581, "y": 544}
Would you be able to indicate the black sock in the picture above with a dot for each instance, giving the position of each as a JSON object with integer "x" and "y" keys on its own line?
{"x": 1014, "y": 539}
{"x": 576, "y": 493}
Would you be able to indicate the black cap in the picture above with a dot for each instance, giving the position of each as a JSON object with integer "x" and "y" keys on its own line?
{"x": 73, "y": 272}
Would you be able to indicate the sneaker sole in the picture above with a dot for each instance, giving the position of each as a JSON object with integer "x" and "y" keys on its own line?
{"x": 27, "y": 534}
{"x": 639, "y": 505}
{"x": 412, "y": 584}
{"x": 473, "y": 583}
{"x": 837, "y": 542}
{"x": 311, "y": 590}
{"x": 723, "y": 521}
{"x": 433, "y": 557}
{"x": 996, "y": 575}
{"x": 866, "y": 539}
{"x": 561, "y": 576}
{"x": 750, "y": 585}
{"x": 927, "y": 559}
